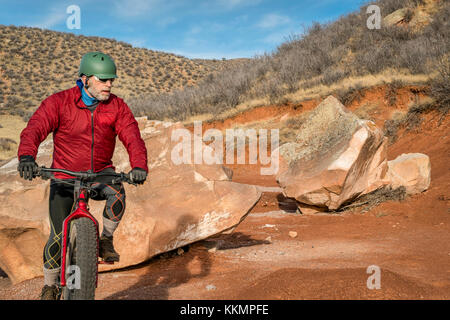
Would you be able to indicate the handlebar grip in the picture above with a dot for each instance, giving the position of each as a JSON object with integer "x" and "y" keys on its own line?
{"x": 45, "y": 175}
{"x": 123, "y": 178}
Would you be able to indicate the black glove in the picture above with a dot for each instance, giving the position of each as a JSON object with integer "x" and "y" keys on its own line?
{"x": 138, "y": 175}
{"x": 27, "y": 167}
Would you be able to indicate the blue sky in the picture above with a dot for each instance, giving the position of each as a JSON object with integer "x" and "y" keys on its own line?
{"x": 195, "y": 29}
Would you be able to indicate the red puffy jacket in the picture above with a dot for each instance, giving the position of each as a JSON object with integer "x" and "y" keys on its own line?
{"x": 83, "y": 140}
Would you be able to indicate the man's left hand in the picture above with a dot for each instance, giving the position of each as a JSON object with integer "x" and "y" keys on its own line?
{"x": 138, "y": 175}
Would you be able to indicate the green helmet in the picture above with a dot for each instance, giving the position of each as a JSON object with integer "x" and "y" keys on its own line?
{"x": 97, "y": 64}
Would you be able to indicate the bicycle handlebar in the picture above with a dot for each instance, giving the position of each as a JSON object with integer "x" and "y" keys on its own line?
{"x": 46, "y": 173}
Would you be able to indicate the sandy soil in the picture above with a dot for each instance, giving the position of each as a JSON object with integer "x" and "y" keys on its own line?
{"x": 327, "y": 258}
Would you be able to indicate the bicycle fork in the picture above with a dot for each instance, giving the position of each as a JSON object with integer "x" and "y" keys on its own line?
{"x": 81, "y": 211}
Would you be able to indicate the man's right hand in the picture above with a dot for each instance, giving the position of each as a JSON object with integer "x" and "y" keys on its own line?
{"x": 138, "y": 175}
{"x": 27, "y": 167}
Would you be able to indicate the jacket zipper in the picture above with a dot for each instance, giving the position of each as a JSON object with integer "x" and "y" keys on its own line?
{"x": 94, "y": 107}
{"x": 92, "y": 145}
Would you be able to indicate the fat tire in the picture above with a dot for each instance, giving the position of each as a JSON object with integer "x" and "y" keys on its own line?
{"x": 83, "y": 253}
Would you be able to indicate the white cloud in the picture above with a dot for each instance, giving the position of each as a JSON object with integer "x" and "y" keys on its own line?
{"x": 241, "y": 19}
{"x": 51, "y": 20}
{"x": 207, "y": 27}
{"x": 164, "y": 22}
{"x": 135, "y": 8}
{"x": 276, "y": 38}
{"x": 191, "y": 42}
{"x": 231, "y": 4}
{"x": 195, "y": 30}
{"x": 139, "y": 43}
{"x": 273, "y": 20}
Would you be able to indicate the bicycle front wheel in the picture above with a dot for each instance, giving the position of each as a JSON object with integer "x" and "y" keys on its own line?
{"x": 81, "y": 260}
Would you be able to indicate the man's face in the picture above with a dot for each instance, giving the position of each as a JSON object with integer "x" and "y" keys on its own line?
{"x": 99, "y": 88}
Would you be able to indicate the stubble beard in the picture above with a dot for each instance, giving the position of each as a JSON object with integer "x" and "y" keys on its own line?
{"x": 98, "y": 94}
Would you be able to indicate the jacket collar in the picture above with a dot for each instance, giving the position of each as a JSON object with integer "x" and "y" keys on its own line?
{"x": 84, "y": 96}
{"x": 79, "y": 102}
{"x": 76, "y": 94}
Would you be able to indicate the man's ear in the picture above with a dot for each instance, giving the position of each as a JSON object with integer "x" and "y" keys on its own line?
{"x": 85, "y": 80}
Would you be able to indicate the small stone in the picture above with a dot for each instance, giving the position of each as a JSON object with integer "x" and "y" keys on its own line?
{"x": 292, "y": 234}
{"x": 180, "y": 251}
{"x": 213, "y": 249}
{"x": 268, "y": 239}
{"x": 210, "y": 287}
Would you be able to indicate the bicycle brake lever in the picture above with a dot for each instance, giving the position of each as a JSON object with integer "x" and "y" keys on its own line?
{"x": 129, "y": 181}
{"x": 122, "y": 178}
{"x": 44, "y": 175}
{"x": 116, "y": 181}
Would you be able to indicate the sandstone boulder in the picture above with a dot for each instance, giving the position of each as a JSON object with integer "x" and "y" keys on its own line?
{"x": 412, "y": 171}
{"x": 179, "y": 204}
{"x": 336, "y": 157}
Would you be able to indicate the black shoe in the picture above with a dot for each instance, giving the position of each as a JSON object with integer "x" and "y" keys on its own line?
{"x": 50, "y": 293}
{"x": 106, "y": 250}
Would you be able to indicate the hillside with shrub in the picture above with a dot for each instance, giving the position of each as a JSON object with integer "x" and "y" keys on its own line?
{"x": 36, "y": 63}
{"x": 341, "y": 58}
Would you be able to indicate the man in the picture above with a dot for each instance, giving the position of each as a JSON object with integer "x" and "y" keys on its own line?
{"x": 85, "y": 121}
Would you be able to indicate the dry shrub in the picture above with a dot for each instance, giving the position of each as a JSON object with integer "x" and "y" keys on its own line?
{"x": 440, "y": 86}
{"x": 415, "y": 113}
{"x": 350, "y": 94}
{"x": 323, "y": 54}
{"x": 410, "y": 120}
{"x": 6, "y": 144}
{"x": 32, "y": 56}
{"x": 364, "y": 111}
{"x": 374, "y": 198}
{"x": 391, "y": 91}
{"x": 391, "y": 128}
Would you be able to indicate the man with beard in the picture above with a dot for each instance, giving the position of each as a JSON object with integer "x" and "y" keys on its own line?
{"x": 85, "y": 121}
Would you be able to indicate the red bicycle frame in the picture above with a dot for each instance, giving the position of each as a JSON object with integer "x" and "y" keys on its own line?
{"x": 81, "y": 211}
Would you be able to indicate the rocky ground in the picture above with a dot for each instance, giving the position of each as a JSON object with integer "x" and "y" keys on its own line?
{"x": 276, "y": 253}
